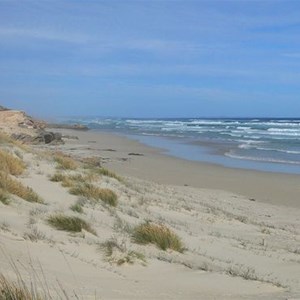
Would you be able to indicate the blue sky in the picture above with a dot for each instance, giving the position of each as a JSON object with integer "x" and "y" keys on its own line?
{"x": 151, "y": 58}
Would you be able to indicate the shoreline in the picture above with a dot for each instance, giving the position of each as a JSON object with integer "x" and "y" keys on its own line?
{"x": 157, "y": 165}
{"x": 249, "y": 246}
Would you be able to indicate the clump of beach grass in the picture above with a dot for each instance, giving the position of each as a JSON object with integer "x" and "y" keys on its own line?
{"x": 117, "y": 253}
{"x": 91, "y": 191}
{"x": 34, "y": 287}
{"x": 4, "y": 197}
{"x": 91, "y": 162}
{"x": 5, "y": 139}
{"x": 10, "y": 290}
{"x": 159, "y": 235}
{"x": 77, "y": 208}
{"x": 34, "y": 235}
{"x": 78, "y": 205}
{"x": 65, "y": 162}
{"x": 57, "y": 177}
{"x": 12, "y": 186}
{"x": 70, "y": 180}
{"x": 70, "y": 223}
{"x": 10, "y": 163}
{"x": 108, "y": 173}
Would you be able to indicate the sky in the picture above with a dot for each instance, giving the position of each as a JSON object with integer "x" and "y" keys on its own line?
{"x": 151, "y": 58}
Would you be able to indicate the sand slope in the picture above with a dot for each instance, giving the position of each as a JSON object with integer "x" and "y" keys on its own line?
{"x": 236, "y": 248}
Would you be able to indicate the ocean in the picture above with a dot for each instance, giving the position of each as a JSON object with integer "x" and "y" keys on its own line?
{"x": 262, "y": 144}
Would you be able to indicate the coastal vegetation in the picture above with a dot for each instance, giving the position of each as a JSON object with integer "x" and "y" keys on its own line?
{"x": 65, "y": 162}
{"x": 91, "y": 191}
{"x": 70, "y": 223}
{"x": 4, "y": 197}
{"x": 81, "y": 185}
{"x": 159, "y": 235}
{"x": 17, "y": 290}
{"x": 108, "y": 173}
{"x": 187, "y": 220}
{"x": 15, "y": 187}
{"x": 117, "y": 253}
{"x": 11, "y": 164}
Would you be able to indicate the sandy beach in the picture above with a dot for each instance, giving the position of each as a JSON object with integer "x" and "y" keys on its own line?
{"x": 240, "y": 229}
{"x": 155, "y": 165}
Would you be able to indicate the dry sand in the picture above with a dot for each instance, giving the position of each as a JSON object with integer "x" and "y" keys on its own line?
{"x": 237, "y": 248}
{"x": 154, "y": 165}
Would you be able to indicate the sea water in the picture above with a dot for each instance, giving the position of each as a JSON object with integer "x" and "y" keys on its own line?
{"x": 261, "y": 144}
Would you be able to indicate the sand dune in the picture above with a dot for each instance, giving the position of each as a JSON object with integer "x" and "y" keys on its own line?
{"x": 236, "y": 248}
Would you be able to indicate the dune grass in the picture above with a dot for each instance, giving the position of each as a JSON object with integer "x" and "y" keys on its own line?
{"x": 78, "y": 206}
{"x": 94, "y": 164}
{"x": 80, "y": 185}
{"x": 12, "y": 186}
{"x": 65, "y": 162}
{"x": 91, "y": 191}
{"x": 70, "y": 180}
{"x": 11, "y": 164}
{"x": 5, "y": 139}
{"x": 4, "y": 197}
{"x": 118, "y": 253}
{"x": 67, "y": 180}
{"x": 57, "y": 177}
{"x": 71, "y": 224}
{"x": 108, "y": 173}
{"x": 10, "y": 290}
{"x": 159, "y": 235}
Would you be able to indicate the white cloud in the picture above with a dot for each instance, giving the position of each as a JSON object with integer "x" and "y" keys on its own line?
{"x": 43, "y": 34}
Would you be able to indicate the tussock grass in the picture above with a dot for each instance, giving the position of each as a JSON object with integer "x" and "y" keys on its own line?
{"x": 108, "y": 173}
{"x": 91, "y": 162}
{"x": 94, "y": 164}
{"x": 72, "y": 224}
{"x": 34, "y": 287}
{"x": 5, "y": 139}
{"x": 71, "y": 180}
{"x": 34, "y": 235}
{"x": 15, "y": 187}
{"x": 57, "y": 177}
{"x": 10, "y": 290}
{"x": 78, "y": 206}
{"x": 4, "y": 198}
{"x": 159, "y": 235}
{"x": 10, "y": 163}
{"x": 65, "y": 162}
{"x": 118, "y": 253}
{"x": 91, "y": 191}
{"x": 66, "y": 180}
